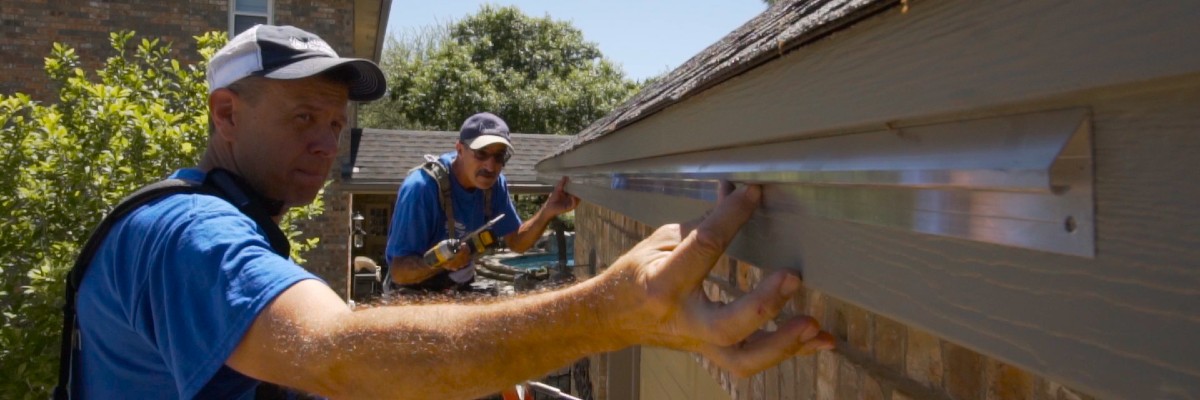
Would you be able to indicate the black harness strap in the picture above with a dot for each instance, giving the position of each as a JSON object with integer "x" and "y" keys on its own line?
{"x": 219, "y": 183}
{"x": 440, "y": 174}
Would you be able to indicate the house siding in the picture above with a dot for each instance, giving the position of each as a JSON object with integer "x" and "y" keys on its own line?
{"x": 876, "y": 358}
{"x": 1116, "y": 321}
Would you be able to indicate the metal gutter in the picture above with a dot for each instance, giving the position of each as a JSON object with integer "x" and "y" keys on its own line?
{"x": 1020, "y": 180}
{"x": 390, "y": 186}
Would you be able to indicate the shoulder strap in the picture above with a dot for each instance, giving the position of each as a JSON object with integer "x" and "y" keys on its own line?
{"x": 441, "y": 175}
{"x": 218, "y": 182}
{"x": 70, "y": 332}
{"x": 236, "y": 191}
{"x": 487, "y": 204}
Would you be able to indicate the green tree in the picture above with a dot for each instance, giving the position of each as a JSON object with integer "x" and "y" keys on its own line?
{"x": 66, "y": 163}
{"x": 540, "y": 75}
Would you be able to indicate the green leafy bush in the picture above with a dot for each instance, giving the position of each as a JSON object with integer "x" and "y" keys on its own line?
{"x": 65, "y": 164}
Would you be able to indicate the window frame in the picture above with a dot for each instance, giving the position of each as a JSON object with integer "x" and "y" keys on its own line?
{"x": 234, "y": 13}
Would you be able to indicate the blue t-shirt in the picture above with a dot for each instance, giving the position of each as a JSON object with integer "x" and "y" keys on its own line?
{"x": 168, "y": 297}
{"x": 418, "y": 221}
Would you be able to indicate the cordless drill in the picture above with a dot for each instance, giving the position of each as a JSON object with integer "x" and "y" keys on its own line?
{"x": 479, "y": 241}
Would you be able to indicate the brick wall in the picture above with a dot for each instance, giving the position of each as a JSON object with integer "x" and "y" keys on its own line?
{"x": 29, "y": 28}
{"x": 877, "y": 358}
{"x": 330, "y": 260}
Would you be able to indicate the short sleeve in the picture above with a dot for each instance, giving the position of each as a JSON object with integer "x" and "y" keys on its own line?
{"x": 214, "y": 274}
{"x": 415, "y": 219}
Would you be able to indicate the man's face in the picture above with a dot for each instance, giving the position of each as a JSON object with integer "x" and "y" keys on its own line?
{"x": 483, "y": 165}
{"x": 287, "y": 136}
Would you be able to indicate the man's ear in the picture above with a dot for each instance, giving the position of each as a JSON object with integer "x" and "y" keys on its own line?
{"x": 220, "y": 105}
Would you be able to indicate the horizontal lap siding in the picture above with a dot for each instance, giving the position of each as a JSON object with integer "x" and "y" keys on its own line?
{"x": 877, "y": 358}
{"x": 1119, "y": 325}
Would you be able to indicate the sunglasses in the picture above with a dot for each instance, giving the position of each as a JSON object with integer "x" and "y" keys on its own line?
{"x": 500, "y": 158}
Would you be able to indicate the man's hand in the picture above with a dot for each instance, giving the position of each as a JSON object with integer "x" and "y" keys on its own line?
{"x": 660, "y": 280}
{"x": 462, "y": 257}
{"x": 560, "y": 201}
{"x": 528, "y": 233}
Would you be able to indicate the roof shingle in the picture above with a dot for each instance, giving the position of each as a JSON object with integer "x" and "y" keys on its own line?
{"x": 386, "y": 156}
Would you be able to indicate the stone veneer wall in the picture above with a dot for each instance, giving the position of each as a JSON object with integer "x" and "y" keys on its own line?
{"x": 877, "y": 357}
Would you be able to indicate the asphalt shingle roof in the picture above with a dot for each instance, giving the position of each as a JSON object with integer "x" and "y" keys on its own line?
{"x": 787, "y": 25}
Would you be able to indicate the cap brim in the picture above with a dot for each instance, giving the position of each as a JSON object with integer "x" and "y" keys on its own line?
{"x": 488, "y": 140}
{"x": 366, "y": 80}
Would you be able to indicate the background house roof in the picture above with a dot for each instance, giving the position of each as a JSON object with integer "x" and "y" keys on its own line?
{"x": 385, "y": 157}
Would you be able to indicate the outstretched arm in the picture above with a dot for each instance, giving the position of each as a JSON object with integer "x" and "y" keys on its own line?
{"x": 559, "y": 202}
{"x": 308, "y": 339}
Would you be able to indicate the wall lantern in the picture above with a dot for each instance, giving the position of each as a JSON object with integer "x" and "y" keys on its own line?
{"x": 358, "y": 229}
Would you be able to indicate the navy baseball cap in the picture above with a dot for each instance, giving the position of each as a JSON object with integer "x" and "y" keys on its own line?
{"x": 484, "y": 129}
{"x": 287, "y": 52}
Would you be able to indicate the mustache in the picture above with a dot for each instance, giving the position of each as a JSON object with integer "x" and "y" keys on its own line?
{"x": 486, "y": 174}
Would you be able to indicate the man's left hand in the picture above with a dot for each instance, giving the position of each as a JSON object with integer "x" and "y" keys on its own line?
{"x": 560, "y": 201}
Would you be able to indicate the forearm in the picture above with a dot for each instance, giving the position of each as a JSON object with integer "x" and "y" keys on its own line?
{"x": 450, "y": 351}
{"x": 407, "y": 270}
{"x": 529, "y": 232}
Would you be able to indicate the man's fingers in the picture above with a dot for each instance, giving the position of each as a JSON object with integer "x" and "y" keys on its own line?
{"x": 735, "y": 320}
{"x": 724, "y": 189}
{"x": 823, "y": 341}
{"x": 561, "y": 188}
{"x": 663, "y": 239}
{"x": 799, "y": 336}
{"x": 560, "y": 200}
{"x": 701, "y": 248}
{"x": 462, "y": 257}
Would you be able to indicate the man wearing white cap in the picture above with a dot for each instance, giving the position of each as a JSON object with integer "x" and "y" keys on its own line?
{"x": 191, "y": 295}
{"x": 477, "y": 192}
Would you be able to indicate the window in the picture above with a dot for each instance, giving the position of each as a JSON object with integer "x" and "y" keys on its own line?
{"x": 244, "y": 14}
{"x": 378, "y": 220}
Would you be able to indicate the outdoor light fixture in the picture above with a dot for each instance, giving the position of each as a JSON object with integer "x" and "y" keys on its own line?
{"x": 358, "y": 229}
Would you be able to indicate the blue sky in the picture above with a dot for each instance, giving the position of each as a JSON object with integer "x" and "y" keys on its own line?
{"x": 645, "y": 37}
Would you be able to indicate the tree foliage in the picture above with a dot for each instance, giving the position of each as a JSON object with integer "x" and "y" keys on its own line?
{"x": 540, "y": 75}
{"x": 66, "y": 163}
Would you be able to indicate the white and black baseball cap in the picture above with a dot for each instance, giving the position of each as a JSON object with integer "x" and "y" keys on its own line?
{"x": 287, "y": 52}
